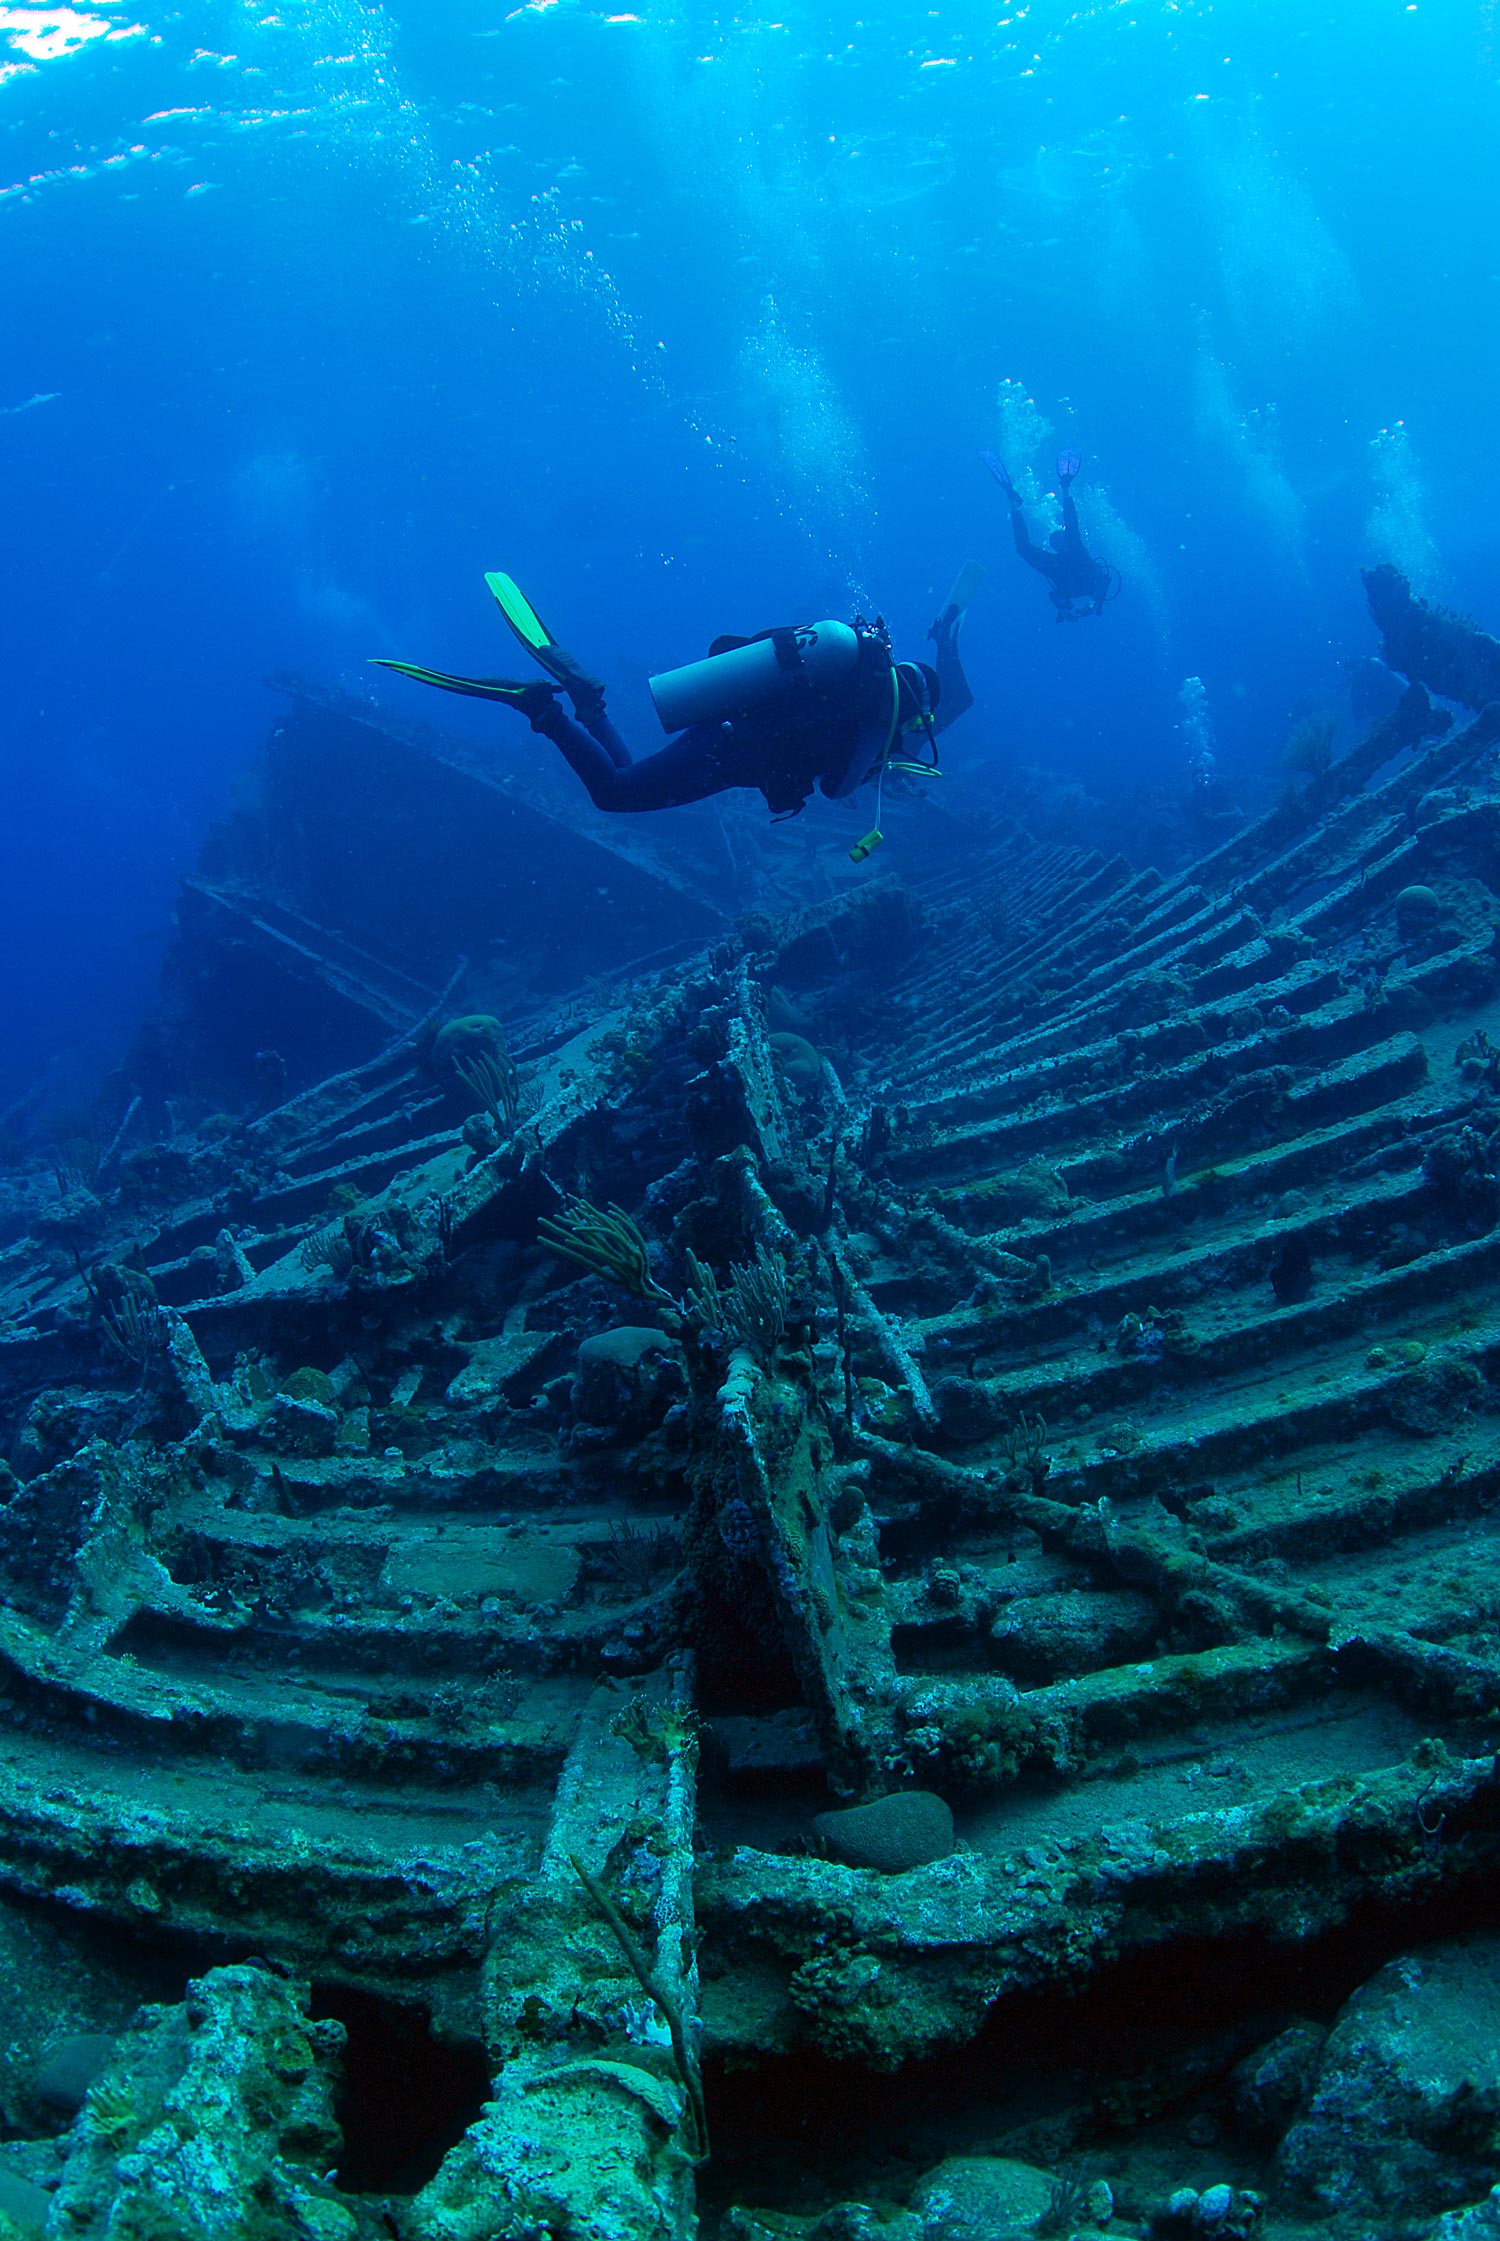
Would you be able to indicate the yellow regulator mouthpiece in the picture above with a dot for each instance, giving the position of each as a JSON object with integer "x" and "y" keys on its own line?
{"x": 867, "y": 846}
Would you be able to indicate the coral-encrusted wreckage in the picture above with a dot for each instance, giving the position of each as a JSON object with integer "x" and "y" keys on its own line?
{"x": 843, "y": 1586}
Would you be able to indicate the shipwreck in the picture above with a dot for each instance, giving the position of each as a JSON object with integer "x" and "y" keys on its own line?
{"x": 841, "y": 1585}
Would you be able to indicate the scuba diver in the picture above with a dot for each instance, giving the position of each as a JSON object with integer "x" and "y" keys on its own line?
{"x": 814, "y": 705}
{"x": 1077, "y": 584}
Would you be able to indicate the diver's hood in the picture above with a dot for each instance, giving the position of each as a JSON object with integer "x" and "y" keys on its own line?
{"x": 921, "y": 690}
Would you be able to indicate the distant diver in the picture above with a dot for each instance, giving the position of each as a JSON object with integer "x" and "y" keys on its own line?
{"x": 808, "y": 706}
{"x": 1077, "y": 584}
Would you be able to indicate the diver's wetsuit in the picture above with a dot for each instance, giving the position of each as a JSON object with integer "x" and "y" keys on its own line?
{"x": 1077, "y": 583}
{"x": 705, "y": 759}
{"x": 813, "y": 744}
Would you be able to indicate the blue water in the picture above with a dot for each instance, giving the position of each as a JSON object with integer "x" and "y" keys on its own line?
{"x": 312, "y": 312}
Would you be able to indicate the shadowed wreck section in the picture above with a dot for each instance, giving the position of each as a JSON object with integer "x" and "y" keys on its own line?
{"x": 847, "y": 1583}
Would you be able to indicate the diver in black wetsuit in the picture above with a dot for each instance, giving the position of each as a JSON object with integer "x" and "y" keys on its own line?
{"x": 821, "y": 706}
{"x": 1077, "y": 584}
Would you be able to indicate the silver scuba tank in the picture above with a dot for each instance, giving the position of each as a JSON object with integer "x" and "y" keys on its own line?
{"x": 731, "y": 684}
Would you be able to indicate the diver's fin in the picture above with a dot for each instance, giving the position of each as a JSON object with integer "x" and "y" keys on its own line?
{"x": 528, "y": 694}
{"x": 1001, "y": 473}
{"x": 519, "y": 613}
{"x": 965, "y": 584}
{"x": 537, "y": 638}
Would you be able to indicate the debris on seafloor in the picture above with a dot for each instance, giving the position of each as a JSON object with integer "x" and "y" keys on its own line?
{"x": 609, "y": 1624}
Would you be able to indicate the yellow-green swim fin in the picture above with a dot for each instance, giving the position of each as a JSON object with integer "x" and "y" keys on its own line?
{"x": 529, "y": 694}
{"x": 536, "y": 637}
{"x": 519, "y": 613}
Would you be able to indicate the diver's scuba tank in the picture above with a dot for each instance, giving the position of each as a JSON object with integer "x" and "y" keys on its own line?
{"x": 749, "y": 676}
